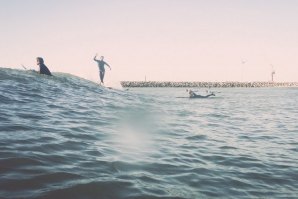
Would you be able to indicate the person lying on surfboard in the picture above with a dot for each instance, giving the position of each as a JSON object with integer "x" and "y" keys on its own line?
{"x": 101, "y": 65}
{"x": 192, "y": 94}
{"x": 43, "y": 69}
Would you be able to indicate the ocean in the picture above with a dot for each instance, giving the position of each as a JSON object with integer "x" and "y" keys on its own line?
{"x": 67, "y": 137}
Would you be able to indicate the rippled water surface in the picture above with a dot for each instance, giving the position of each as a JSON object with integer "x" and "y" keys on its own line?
{"x": 66, "y": 137}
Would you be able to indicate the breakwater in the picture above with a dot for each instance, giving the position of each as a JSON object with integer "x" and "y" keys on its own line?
{"x": 207, "y": 84}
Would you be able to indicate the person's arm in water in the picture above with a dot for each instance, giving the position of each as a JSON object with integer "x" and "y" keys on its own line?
{"x": 191, "y": 93}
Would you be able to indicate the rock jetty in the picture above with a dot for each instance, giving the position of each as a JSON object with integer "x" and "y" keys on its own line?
{"x": 207, "y": 84}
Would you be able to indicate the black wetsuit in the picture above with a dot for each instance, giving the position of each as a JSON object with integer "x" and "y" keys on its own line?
{"x": 201, "y": 96}
{"x": 44, "y": 70}
{"x": 101, "y": 66}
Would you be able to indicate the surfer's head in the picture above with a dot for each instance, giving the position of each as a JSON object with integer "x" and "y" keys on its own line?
{"x": 39, "y": 60}
{"x": 102, "y": 57}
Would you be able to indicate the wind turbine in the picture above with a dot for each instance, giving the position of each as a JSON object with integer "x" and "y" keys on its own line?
{"x": 272, "y": 73}
{"x": 243, "y": 61}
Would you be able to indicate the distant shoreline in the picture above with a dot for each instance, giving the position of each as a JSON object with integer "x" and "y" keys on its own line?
{"x": 132, "y": 84}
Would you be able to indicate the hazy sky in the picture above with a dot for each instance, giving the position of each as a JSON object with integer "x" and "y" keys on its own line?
{"x": 172, "y": 40}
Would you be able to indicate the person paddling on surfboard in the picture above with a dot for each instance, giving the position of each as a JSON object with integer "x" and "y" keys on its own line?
{"x": 101, "y": 65}
{"x": 43, "y": 69}
{"x": 192, "y": 94}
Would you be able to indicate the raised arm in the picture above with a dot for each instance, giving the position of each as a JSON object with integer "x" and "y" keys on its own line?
{"x": 95, "y": 57}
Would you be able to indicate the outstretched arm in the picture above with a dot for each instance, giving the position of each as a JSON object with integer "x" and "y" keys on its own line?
{"x": 108, "y": 65}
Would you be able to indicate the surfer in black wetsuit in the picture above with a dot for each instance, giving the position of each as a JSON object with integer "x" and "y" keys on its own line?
{"x": 101, "y": 66}
{"x": 192, "y": 94}
{"x": 43, "y": 69}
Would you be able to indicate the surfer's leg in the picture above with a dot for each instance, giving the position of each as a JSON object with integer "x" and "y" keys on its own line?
{"x": 102, "y": 74}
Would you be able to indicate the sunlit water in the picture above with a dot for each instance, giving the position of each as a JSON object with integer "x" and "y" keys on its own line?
{"x": 65, "y": 137}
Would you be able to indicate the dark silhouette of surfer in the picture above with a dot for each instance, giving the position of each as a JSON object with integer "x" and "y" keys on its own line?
{"x": 101, "y": 65}
{"x": 192, "y": 94}
{"x": 43, "y": 69}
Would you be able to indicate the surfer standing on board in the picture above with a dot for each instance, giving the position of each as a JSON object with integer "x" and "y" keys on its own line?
{"x": 101, "y": 66}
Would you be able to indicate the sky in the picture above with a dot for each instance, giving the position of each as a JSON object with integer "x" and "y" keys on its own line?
{"x": 162, "y": 40}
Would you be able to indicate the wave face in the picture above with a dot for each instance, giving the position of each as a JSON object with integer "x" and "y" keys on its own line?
{"x": 66, "y": 137}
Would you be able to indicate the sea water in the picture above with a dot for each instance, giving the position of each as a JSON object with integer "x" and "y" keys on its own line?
{"x": 66, "y": 137}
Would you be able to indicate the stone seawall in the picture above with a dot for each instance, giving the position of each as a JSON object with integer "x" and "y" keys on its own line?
{"x": 207, "y": 84}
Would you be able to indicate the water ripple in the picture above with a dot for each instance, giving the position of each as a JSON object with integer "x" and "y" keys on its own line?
{"x": 66, "y": 137}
